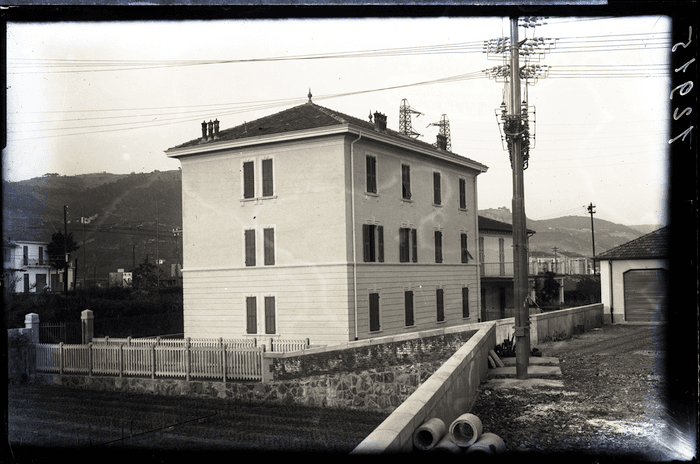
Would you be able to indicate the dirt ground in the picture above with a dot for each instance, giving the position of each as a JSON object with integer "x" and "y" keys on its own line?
{"x": 612, "y": 404}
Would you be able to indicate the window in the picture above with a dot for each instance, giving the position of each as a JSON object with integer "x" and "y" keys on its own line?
{"x": 250, "y": 247}
{"x": 463, "y": 244}
{"x": 373, "y": 312}
{"x": 462, "y": 194}
{"x": 408, "y": 245}
{"x": 40, "y": 282}
{"x": 481, "y": 250}
{"x": 26, "y": 282}
{"x": 373, "y": 241}
{"x": 465, "y": 301}
{"x": 41, "y": 255}
{"x": 438, "y": 246}
{"x": 269, "y": 243}
{"x": 440, "y": 302}
{"x": 248, "y": 179}
{"x": 437, "y": 197}
{"x": 371, "y": 174}
{"x": 270, "y": 315}
{"x": 405, "y": 182}
{"x": 501, "y": 256}
{"x": 251, "y": 309}
{"x": 408, "y": 304}
{"x": 268, "y": 189}
{"x": 25, "y": 255}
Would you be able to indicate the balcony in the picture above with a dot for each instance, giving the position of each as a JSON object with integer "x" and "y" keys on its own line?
{"x": 503, "y": 269}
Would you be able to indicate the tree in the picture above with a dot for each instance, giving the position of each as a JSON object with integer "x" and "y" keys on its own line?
{"x": 548, "y": 291}
{"x": 58, "y": 248}
{"x": 145, "y": 275}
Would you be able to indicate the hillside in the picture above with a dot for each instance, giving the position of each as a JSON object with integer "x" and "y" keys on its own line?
{"x": 571, "y": 235}
{"x": 121, "y": 212}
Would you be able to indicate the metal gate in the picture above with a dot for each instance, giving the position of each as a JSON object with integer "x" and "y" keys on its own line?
{"x": 61, "y": 332}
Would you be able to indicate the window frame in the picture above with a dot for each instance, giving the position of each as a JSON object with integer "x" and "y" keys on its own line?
{"x": 409, "y": 313}
{"x": 371, "y": 174}
{"x": 462, "y": 194}
{"x": 438, "y": 247}
{"x": 251, "y": 315}
{"x": 465, "y": 302}
{"x": 437, "y": 188}
{"x": 440, "y": 304}
{"x": 268, "y": 178}
{"x": 248, "y": 179}
{"x": 374, "y": 312}
{"x": 464, "y": 247}
{"x": 269, "y": 248}
{"x": 406, "y": 181}
{"x": 25, "y": 255}
{"x": 249, "y": 247}
{"x": 270, "y": 317}
{"x": 373, "y": 243}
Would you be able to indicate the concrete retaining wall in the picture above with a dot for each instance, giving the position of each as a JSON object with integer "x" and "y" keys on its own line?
{"x": 448, "y": 393}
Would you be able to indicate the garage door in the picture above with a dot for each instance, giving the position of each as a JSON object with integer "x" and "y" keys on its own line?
{"x": 645, "y": 295}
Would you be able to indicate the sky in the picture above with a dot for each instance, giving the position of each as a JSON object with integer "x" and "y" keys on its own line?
{"x": 113, "y": 96}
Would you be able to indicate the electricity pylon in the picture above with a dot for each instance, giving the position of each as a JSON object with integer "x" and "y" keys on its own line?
{"x": 444, "y": 125}
{"x": 405, "y": 126}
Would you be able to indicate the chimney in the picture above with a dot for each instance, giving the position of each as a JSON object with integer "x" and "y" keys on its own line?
{"x": 216, "y": 129}
{"x": 441, "y": 142}
{"x": 379, "y": 121}
{"x": 210, "y": 126}
{"x": 204, "y": 130}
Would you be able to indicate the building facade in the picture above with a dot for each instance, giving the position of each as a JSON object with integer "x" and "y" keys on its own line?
{"x": 310, "y": 223}
{"x": 26, "y": 267}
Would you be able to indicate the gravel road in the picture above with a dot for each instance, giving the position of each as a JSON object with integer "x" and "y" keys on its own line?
{"x": 612, "y": 404}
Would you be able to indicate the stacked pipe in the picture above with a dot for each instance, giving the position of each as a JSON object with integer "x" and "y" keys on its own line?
{"x": 463, "y": 436}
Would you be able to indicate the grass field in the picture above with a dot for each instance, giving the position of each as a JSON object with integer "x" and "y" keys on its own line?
{"x": 49, "y": 419}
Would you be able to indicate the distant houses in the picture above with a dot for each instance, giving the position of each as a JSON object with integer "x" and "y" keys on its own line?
{"x": 26, "y": 268}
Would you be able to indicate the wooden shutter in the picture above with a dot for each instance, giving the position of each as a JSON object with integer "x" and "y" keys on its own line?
{"x": 268, "y": 188}
{"x": 269, "y": 239}
{"x": 436, "y": 188}
{"x": 373, "y": 312}
{"x": 251, "y": 315}
{"x": 406, "y": 181}
{"x": 414, "y": 244}
{"x": 440, "y": 300}
{"x": 380, "y": 244}
{"x": 403, "y": 245}
{"x": 270, "y": 315}
{"x": 462, "y": 194}
{"x": 248, "y": 180}
{"x": 438, "y": 246}
{"x": 250, "y": 247}
{"x": 366, "y": 241}
{"x": 408, "y": 303}
{"x": 463, "y": 242}
{"x": 371, "y": 174}
{"x": 465, "y": 301}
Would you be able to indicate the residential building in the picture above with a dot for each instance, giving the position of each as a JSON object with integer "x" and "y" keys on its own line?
{"x": 496, "y": 258}
{"x": 634, "y": 279}
{"x": 310, "y": 223}
{"x": 26, "y": 266}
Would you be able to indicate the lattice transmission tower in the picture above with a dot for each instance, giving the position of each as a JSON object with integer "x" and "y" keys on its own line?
{"x": 405, "y": 125}
{"x": 444, "y": 133}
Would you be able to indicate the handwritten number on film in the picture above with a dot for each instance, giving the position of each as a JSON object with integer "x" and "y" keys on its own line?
{"x": 683, "y": 89}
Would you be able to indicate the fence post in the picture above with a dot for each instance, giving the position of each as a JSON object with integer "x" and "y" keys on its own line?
{"x": 60, "y": 358}
{"x": 308, "y": 343}
{"x": 153, "y": 361}
{"x": 223, "y": 358}
{"x": 87, "y": 319}
{"x": 31, "y": 322}
{"x": 90, "y": 359}
{"x": 187, "y": 359}
{"x": 266, "y": 366}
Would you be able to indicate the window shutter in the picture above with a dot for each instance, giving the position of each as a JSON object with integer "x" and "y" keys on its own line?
{"x": 465, "y": 255}
{"x": 268, "y": 188}
{"x": 462, "y": 194}
{"x": 366, "y": 239}
{"x": 270, "y": 315}
{"x": 408, "y": 301}
{"x": 406, "y": 181}
{"x": 403, "y": 245}
{"x": 438, "y": 246}
{"x": 373, "y": 312}
{"x": 250, "y": 247}
{"x": 269, "y": 238}
{"x": 380, "y": 244}
{"x": 439, "y": 295}
{"x": 248, "y": 180}
{"x": 436, "y": 188}
{"x": 465, "y": 301}
{"x": 414, "y": 237}
{"x": 371, "y": 174}
{"x": 251, "y": 317}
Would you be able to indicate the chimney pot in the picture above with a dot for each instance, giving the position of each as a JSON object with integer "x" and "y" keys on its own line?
{"x": 379, "y": 121}
{"x": 210, "y": 126}
{"x": 216, "y": 128}
{"x": 204, "y": 129}
{"x": 441, "y": 142}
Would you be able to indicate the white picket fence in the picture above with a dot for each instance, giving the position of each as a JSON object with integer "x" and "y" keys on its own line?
{"x": 225, "y": 359}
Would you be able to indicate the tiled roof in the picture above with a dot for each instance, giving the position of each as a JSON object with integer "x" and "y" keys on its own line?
{"x": 303, "y": 117}
{"x": 652, "y": 245}
{"x": 492, "y": 224}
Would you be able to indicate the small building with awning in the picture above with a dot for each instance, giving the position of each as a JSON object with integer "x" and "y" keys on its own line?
{"x": 634, "y": 279}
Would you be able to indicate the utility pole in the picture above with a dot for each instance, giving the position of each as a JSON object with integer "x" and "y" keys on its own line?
{"x": 522, "y": 309}
{"x": 82, "y": 219}
{"x": 591, "y": 210}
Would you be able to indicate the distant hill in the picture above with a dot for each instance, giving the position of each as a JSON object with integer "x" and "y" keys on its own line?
{"x": 121, "y": 211}
{"x": 571, "y": 235}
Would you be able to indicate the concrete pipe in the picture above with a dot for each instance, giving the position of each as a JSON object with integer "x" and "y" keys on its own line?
{"x": 488, "y": 443}
{"x": 465, "y": 430}
{"x": 446, "y": 446}
{"x": 429, "y": 434}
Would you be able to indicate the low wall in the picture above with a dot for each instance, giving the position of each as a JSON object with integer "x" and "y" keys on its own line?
{"x": 448, "y": 393}
{"x": 452, "y": 390}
